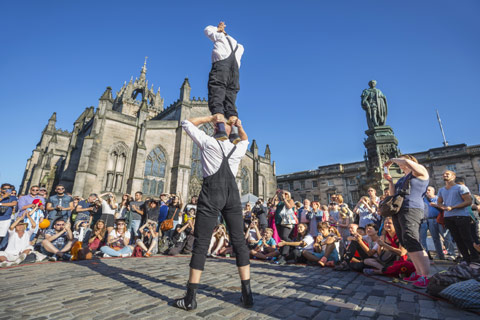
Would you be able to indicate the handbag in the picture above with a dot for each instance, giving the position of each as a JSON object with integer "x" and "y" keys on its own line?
{"x": 391, "y": 205}
{"x": 168, "y": 223}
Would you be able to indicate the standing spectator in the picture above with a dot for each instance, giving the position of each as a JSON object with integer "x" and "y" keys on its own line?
{"x": 333, "y": 214}
{"x": 109, "y": 208}
{"x": 283, "y": 222}
{"x": 137, "y": 211}
{"x": 58, "y": 241}
{"x": 316, "y": 216}
{"x": 117, "y": 241}
{"x": 85, "y": 209}
{"x": 123, "y": 208}
{"x": 455, "y": 199}
{"x": 26, "y": 201}
{"x": 18, "y": 241}
{"x": 272, "y": 207}
{"x": 259, "y": 212}
{"x": 42, "y": 192}
{"x": 247, "y": 215}
{"x": 407, "y": 220}
{"x": 433, "y": 226}
{"x": 174, "y": 211}
{"x": 372, "y": 195}
{"x": 305, "y": 212}
{"x": 74, "y": 213}
{"x": 343, "y": 225}
{"x": 7, "y": 203}
{"x": 59, "y": 205}
{"x": 366, "y": 210}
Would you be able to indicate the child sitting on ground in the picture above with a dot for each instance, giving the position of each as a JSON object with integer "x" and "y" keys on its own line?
{"x": 266, "y": 247}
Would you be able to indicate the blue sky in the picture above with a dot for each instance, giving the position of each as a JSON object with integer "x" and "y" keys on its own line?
{"x": 304, "y": 68}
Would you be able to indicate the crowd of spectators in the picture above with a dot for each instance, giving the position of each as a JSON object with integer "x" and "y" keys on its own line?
{"x": 346, "y": 237}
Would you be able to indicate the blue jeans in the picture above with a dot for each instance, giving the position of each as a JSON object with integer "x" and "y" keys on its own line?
{"x": 423, "y": 234}
{"x": 447, "y": 240}
{"x": 133, "y": 228}
{"x": 434, "y": 228}
{"x": 114, "y": 253}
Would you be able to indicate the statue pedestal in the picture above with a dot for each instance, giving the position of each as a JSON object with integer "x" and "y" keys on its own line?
{"x": 381, "y": 145}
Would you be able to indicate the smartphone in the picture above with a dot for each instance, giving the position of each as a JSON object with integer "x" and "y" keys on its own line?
{"x": 385, "y": 169}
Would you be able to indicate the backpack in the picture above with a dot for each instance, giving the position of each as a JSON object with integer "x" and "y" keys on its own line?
{"x": 465, "y": 294}
{"x": 458, "y": 273}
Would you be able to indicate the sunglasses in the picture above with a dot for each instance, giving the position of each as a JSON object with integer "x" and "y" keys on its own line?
{"x": 60, "y": 225}
{"x": 34, "y": 190}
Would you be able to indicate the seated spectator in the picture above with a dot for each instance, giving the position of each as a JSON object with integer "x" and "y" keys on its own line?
{"x": 18, "y": 241}
{"x": 148, "y": 239}
{"x": 387, "y": 248}
{"x": 189, "y": 215}
{"x": 304, "y": 242}
{"x": 253, "y": 235}
{"x": 93, "y": 241}
{"x": 183, "y": 238}
{"x": 324, "y": 251}
{"x": 359, "y": 247}
{"x": 117, "y": 241}
{"x": 247, "y": 215}
{"x": 58, "y": 241}
{"x": 266, "y": 247}
{"x": 219, "y": 239}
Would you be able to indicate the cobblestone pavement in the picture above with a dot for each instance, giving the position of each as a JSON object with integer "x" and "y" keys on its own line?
{"x": 140, "y": 288}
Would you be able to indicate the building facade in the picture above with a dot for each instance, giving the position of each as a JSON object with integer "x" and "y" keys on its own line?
{"x": 351, "y": 180}
{"x": 131, "y": 143}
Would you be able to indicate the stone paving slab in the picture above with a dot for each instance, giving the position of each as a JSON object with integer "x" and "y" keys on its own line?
{"x": 141, "y": 288}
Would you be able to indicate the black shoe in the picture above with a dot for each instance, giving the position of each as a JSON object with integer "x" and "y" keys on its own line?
{"x": 189, "y": 302}
{"x": 234, "y": 138}
{"x": 66, "y": 256}
{"x": 247, "y": 295}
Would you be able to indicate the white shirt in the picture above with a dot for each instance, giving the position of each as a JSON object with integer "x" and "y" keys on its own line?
{"x": 212, "y": 155}
{"x": 106, "y": 209}
{"x": 309, "y": 241}
{"x": 17, "y": 245}
{"x": 221, "y": 48}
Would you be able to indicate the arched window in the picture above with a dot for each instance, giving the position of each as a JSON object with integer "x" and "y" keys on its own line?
{"x": 154, "y": 177}
{"x": 117, "y": 159}
{"x": 196, "y": 175}
{"x": 245, "y": 181}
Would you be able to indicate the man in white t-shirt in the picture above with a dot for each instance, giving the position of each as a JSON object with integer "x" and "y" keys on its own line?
{"x": 18, "y": 241}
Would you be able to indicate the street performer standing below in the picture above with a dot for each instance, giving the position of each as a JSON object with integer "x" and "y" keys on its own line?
{"x": 223, "y": 80}
{"x": 220, "y": 162}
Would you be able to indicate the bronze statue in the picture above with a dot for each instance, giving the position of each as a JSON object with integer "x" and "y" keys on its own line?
{"x": 375, "y": 104}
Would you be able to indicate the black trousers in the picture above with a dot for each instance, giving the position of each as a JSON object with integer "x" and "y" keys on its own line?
{"x": 407, "y": 226}
{"x": 223, "y": 86}
{"x": 460, "y": 228}
{"x": 351, "y": 249}
{"x": 219, "y": 194}
{"x": 284, "y": 234}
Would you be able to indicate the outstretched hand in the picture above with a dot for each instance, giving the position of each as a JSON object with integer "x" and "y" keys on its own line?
{"x": 221, "y": 27}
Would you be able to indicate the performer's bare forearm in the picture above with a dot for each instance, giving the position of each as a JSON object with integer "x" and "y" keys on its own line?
{"x": 200, "y": 120}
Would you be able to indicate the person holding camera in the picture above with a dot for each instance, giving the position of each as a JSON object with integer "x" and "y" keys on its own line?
{"x": 285, "y": 221}
{"x": 7, "y": 204}
{"x": 84, "y": 210}
{"x": 261, "y": 214}
{"x": 407, "y": 220}
{"x": 220, "y": 162}
{"x": 136, "y": 209}
{"x": 148, "y": 239}
{"x": 109, "y": 208}
{"x": 366, "y": 211}
{"x": 60, "y": 205}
